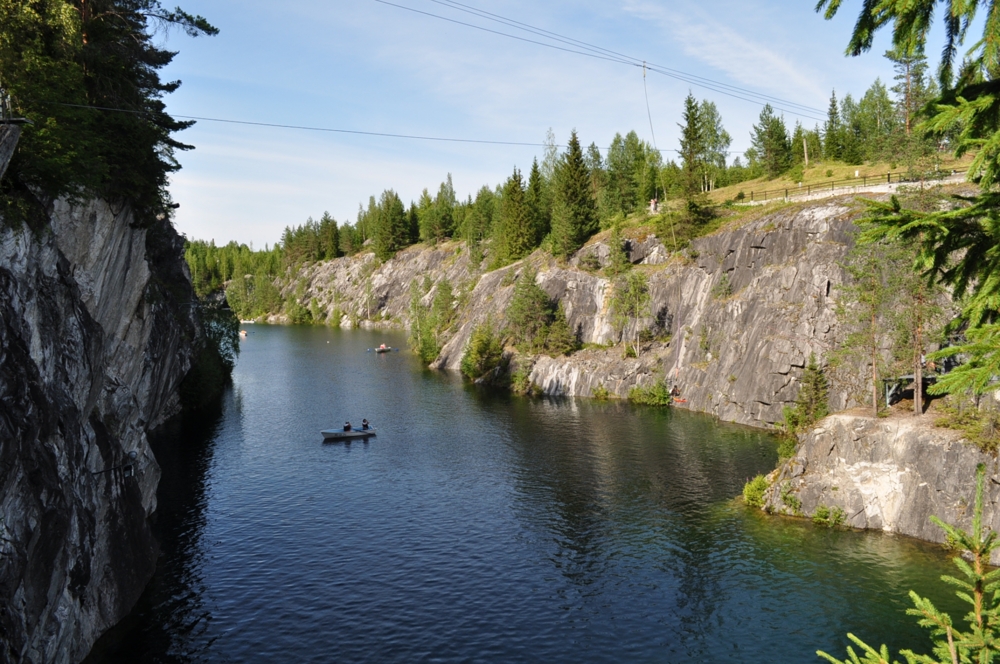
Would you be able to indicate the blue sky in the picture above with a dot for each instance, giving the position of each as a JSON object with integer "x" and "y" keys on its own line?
{"x": 369, "y": 66}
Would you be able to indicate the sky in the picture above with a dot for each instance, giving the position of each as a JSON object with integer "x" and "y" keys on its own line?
{"x": 376, "y": 66}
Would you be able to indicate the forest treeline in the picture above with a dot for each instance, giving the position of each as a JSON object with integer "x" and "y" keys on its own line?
{"x": 572, "y": 193}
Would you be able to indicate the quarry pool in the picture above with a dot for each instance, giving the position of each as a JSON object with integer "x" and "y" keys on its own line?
{"x": 478, "y": 526}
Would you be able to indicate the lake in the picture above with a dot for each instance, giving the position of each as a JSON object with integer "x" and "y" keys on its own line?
{"x": 482, "y": 527}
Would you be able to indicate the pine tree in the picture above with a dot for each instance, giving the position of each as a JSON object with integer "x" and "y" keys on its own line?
{"x": 574, "y": 211}
{"x": 692, "y": 148}
{"x": 528, "y": 314}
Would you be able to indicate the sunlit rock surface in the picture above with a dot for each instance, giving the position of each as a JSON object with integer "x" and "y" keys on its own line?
{"x": 888, "y": 474}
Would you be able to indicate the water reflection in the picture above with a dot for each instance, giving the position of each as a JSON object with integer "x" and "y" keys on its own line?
{"x": 480, "y": 526}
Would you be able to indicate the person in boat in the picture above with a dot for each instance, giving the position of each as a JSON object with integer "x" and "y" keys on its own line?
{"x": 347, "y": 426}
{"x": 364, "y": 424}
{"x": 675, "y": 391}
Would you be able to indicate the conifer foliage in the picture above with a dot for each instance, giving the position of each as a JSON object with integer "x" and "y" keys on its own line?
{"x": 977, "y": 585}
{"x": 812, "y": 403}
{"x": 574, "y": 213}
{"x": 517, "y": 231}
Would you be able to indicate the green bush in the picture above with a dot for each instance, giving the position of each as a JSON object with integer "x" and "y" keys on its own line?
{"x": 787, "y": 444}
{"x": 753, "y": 491}
{"x": 600, "y": 393}
{"x": 657, "y": 394}
{"x": 483, "y": 354}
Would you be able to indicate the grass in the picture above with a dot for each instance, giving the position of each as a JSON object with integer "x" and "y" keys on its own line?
{"x": 816, "y": 174}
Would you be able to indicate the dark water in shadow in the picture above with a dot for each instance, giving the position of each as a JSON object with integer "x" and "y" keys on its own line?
{"x": 484, "y": 527}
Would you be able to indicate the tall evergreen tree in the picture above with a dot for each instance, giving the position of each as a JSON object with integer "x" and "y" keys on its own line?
{"x": 770, "y": 142}
{"x": 692, "y": 147}
{"x": 392, "y": 228}
{"x": 832, "y": 140}
{"x": 538, "y": 211}
{"x": 515, "y": 233}
{"x": 574, "y": 211}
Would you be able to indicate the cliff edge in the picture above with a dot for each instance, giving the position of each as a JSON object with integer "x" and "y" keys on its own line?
{"x": 96, "y": 333}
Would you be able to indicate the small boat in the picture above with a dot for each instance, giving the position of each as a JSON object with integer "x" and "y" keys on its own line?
{"x": 383, "y": 349}
{"x": 243, "y": 333}
{"x": 340, "y": 434}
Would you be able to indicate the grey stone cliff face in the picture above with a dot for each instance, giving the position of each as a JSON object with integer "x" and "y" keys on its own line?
{"x": 888, "y": 474}
{"x": 93, "y": 347}
{"x": 742, "y": 312}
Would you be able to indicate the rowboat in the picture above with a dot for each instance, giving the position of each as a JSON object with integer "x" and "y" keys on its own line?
{"x": 383, "y": 349}
{"x": 340, "y": 434}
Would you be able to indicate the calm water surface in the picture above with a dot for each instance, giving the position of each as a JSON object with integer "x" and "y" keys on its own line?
{"x": 484, "y": 527}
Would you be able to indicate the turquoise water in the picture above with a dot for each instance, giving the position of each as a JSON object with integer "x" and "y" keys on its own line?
{"x": 481, "y": 527}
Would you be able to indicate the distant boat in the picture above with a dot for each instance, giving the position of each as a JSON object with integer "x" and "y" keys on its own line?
{"x": 383, "y": 349}
{"x": 340, "y": 434}
{"x": 243, "y": 333}
{"x": 247, "y": 322}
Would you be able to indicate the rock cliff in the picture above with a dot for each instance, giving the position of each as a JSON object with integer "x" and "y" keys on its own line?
{"x": 743, "y": 308}
{"x": 96, "y": 330}
{"x": 888, "y": 474}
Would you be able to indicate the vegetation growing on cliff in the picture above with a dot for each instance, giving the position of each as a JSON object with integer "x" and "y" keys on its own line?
{"x": 977, "y": 585}
{"x": 958, "y": 244}
{"x": 86, "y": 72}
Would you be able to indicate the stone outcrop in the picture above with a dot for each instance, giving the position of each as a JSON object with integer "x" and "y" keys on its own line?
{"x": 742, "y": 308}
{"x": 743, "y": 312}
{"x": 888, "y": 474}
{"x": 96, "y": 331}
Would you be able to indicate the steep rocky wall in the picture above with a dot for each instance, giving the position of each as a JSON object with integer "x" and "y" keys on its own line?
{"x": 743, "y": 309}
{"x": 743, "y": 313}
{"x": 887, "y": 474}
{"x": 95, "y": 337}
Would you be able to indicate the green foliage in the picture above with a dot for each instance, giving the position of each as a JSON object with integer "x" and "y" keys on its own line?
{"x": 788, "y": 443}
{"x": 812, "y": 403}
{"x": 484, "y": 352}
{"x": 436, "y": 218}
{"x": 789, "y": 498}
{"x": 692, "y": 146}
{"x": 574, "y": 212}
{"x": 829, "y": 517}
{"x": 771, "y": 147}
{"x": 629, "y": 303}
{"x": 311, "y": 242}
{"x": 753, "y": 491}
{"x": 516, "y": 232}
{"x": 423, "y": 331}
{"x": 657, "y": 394}
{"x": 722, "y": 289}
{"x": 536, "y": 324}
{"x": 214, "y": 357}
{"x": 980, "y": 426}
{"x": 520, "y": 380}
{"x": 62, "y": 58}
{"x": 600, "y": 393}
{"x": 391, "y": 230}
{"x": 977, "y": 586}
{"x": 618, "y": 258}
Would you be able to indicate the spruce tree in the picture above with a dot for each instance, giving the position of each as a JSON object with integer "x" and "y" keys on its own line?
{"x": 392, "y": 229}
{"x": 771, "y": 143}
{"x": 516, "y": 232}
{"x": 535, "y": 198}
{"x": 574, "y": 210}
{"x": 692, "y": 148}
{"x": 831, "y": 130}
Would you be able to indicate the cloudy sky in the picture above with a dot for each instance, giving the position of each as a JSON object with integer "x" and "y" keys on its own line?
{"x": 375, "y": 66}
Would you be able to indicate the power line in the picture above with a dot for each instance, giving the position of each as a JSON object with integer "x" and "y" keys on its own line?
{"x": 624, "y": 58}
{"x": 415, "y": 137}
{"x": 600, "y": 53}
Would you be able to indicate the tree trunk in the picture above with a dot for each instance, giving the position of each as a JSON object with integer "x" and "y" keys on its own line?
{"x": 874, "y": 369}
{"x": 918, "y": 368}
{"x": 805, "y": 151}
